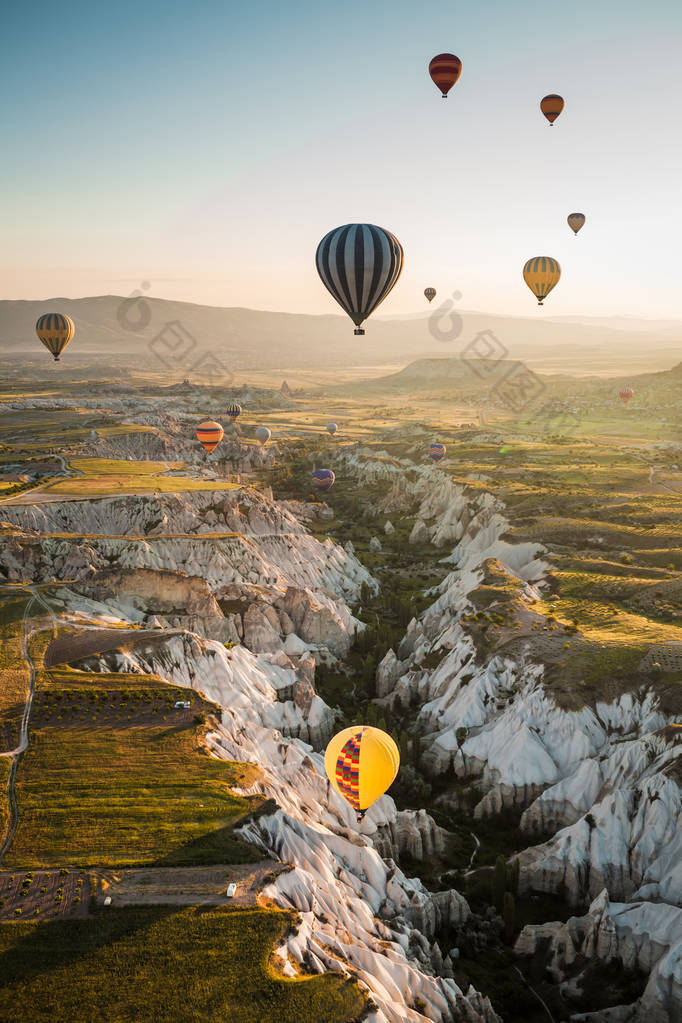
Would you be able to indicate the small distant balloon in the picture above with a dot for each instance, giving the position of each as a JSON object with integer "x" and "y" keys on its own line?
{"x": 445, "y": 69}
{"x": 541, "y": 274}
{"x": 576, "y": 221}
{"x": 359, "y": 264}
{"x": 323, "y": 479}
{"x": 55, "y": 330}
{"x": 626, "y": 393}
{"x": 430, "y": 293}
{"x": 361, "y": 763}
{"x": 209, "y": 435}
{"x": 332, "y": 428}
{"x": 551, "y": 106}
{"x": 263, "y": 435}
{"x": 437, "y": 452}
{"x": 234, "y": 411}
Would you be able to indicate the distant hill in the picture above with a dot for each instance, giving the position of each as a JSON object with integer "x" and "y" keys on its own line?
{"x": 464, "y": 377}
{"x": 246, "y": 339}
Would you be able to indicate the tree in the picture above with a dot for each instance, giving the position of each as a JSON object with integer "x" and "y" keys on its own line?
{"x": 509, "y": 914}
{"x": 499, "y": 883}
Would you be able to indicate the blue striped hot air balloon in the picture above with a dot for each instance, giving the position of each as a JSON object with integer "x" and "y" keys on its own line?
{"x": 359, "y": 265}
{"x": 55, "y": 330}
{"x": 234, "y": 411}
{"x": 323, "y": 479}
{"x": 437, "y": 452}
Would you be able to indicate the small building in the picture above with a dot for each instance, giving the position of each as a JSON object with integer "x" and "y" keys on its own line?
{"x": 182, "y": 705}
{"x": 231, "y": 890}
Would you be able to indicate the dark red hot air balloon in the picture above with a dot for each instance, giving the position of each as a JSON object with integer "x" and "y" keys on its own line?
{"x": 551, "y": 106}
{"x": 626, "y": 393}
{"x": 445, "y": 69}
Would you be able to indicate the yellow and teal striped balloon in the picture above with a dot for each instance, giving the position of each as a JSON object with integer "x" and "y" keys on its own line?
{"x": 541, "y": 274}
{"x": 55, "y": 330}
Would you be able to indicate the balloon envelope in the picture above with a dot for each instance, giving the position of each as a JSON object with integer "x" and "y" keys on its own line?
{"x": 437, "y": 452}
{"x": 626, "y": 394}
{"x": 209, "y": 435}
{"x": 361, "y": 763}
{"x": 263, "y": 434}
{"x": 234, "y": 411}
{"x": 332, "y": 428}
{"x": 359, "y": 264}
{"x": 323, "y": 479}
{"x": 551, "y": 106}
{"x": 430, "y": 293}
{"x": 576, "y": 221}
{"x": 55, "y": 330}
{"x": 541, "y": 274}
{"x": 445, "y": 69}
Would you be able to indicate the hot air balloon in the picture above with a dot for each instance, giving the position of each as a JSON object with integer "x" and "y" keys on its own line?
{"x": 209, "y": 435}
{"x": 430, "y": 293}
{"x": 234, "y": 411}
{"x": 626, "y": 394}
{"x": 445, "y": 69}
{"x": 323, "y": 479}
{"x": 541, "y": 274}
{"x": 437, "y": 452}
{"x": 359, "y": 264}
{"x": 55, "y": 330}
{"x": 263, "y": 435}
{"x": 361, "y": 763}
{"x": 576, "y": 221}
{"x": 551, "y": 106}
{"x": 332, "y": 428}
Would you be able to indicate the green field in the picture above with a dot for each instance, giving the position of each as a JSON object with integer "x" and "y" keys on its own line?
{"x": 111, "y": 778}
{"x": 105, "y": 477}
{"x": 168, "y": 966}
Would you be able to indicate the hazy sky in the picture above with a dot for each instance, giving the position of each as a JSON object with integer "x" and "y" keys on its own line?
{"x": 207, "y": 146}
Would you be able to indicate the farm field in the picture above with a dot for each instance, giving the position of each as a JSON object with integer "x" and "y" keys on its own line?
{"x": 160, "y": 799}
{"x": 76, "y": 971}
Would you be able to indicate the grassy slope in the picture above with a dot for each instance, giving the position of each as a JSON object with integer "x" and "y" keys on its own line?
{"x": 196, "y": 966}
{"x": 110, "y": 779}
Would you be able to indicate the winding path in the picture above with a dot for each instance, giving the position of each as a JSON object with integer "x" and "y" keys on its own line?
{"x": 542, "y": 1002}
{"x": 26, "y": 632}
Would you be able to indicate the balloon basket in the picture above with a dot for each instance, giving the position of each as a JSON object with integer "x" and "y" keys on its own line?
{"x": 359, "y": 332}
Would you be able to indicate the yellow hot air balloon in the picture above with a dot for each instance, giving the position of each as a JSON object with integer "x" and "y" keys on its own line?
{"x": 361, "y": 763}
{"x": 55, "y": 330}
{"x": 541, "y": 274}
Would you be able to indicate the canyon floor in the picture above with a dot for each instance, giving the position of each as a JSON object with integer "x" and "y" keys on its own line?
{"x": 511, "y": 616}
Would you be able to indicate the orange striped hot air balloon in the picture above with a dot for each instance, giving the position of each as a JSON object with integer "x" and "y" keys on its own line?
{"x": 445, "y": 69}
{"x": 626, "y": 393}
{"x": 209, "y": 435}
{"x": 551, "y": 106}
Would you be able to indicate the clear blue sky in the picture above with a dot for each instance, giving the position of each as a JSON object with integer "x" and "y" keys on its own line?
{"x": 207, "y": 147}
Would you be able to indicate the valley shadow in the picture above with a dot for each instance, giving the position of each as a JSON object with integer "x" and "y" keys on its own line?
{"x": 218, "y": 846}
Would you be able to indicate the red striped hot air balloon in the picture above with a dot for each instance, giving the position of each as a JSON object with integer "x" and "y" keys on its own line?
{"x": 551, "y": 106}
{"x": 209, "y": 435}
{"x": 626, "y": 393}
{"x": 445, "y": 69}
